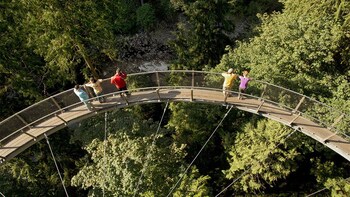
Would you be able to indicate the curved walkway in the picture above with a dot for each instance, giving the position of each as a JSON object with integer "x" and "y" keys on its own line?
{"x": 300, "y": 112}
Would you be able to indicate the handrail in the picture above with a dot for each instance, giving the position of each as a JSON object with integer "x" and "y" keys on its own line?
{"x": 277, "y": 95}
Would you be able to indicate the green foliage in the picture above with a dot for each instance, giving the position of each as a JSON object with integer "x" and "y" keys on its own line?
{"x": 338, "y": 186}
{"x": 200, "y": 40}
{"x": 188, "y": 122}
{"x": 33, "y": 173}
{"x": 264, "y": 152}
{"x": 193, "y": 185}
{"x": 117, "y": 163}
{"x": 145, "y": 16}
{"x": 299, "y": 43}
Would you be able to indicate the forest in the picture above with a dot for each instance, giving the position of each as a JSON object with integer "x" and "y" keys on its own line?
{"x": 48, "y": 46}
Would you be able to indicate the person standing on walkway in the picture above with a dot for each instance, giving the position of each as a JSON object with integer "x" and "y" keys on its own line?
{"x": 83, "y": 96}
{"x": 96, "y": 86}
{"x": 243, "y": 83}
{"x": 119, "y": 81}
{"x": 229, "y": 78}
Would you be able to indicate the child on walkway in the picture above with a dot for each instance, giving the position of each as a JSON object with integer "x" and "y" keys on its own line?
{"x": 229, "y": 77}
{"x": 96, "y": 86}
{"x": 243, "y": 84}
{"x": 119, "y": 81}
{"x": 83, "y": 96}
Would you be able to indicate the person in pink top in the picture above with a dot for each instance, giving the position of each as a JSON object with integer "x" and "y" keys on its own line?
{"x": 243, "y": 83}
{"x": 119, "y": 81}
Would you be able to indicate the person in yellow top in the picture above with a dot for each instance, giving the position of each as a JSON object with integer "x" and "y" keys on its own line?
{"x": 229, "y": 77}
{"x": 96, "y": 86}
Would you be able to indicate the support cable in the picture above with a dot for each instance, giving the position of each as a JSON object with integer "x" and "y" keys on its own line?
{"x": 150, "y": 149}
{"x": 2, "y": 194}
{"x": 58, "y": 170}
{"x": 316, "y": 192}
{"x": 183, "y": 174}
{"x": 104, "y": 153}
{"x": 247, "y": 170}
{"x": 347, "y": 179}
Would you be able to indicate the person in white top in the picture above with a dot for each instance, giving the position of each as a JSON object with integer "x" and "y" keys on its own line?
{"x": 83, "y": 96}
{"x": 96, "y": 86}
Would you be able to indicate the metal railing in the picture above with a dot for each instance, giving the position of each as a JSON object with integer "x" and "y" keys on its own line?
{"x": 325, "y": 115}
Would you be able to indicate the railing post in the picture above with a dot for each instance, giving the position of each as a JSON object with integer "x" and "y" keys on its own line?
{"x": 292, "y": 121}
{"x": 25, "y": 122}
{"x": 56, "y": 103}
{"x": 192, "y": 85}
{"x": 261, "y": 104}
{"x": 65, "y": 122}
{"x": 336, "y": 121}
{"x": 192, "y": 78}
{"x": 297, "y": 107}
{"x": 158, "y": 81}
{"x": 332, "y": 126}
{"x": 32, "y": 136}
{"x": 263, "y": 92}
{"x": 157, "y": 91}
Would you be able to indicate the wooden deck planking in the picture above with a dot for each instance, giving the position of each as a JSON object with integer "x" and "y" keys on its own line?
{"x": 22, "y": 141}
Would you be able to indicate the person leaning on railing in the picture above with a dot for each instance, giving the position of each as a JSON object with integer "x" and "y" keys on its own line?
{"x": 83, "y": 96}
{"x": 243, "y": 83}
{"x": 229, "y": 78}
{"x": 119, "y": 81}
{"x": 96, "y": 86}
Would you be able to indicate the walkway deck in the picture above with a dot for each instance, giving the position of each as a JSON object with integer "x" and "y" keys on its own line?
{"x": 27, "y": 127}
{"x": 25, "y": 140}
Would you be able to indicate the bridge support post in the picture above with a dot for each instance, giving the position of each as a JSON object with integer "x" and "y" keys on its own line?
{"x": 25, "y": 122}
{"x": 32, "y": 136}
{"x": 292, "y": 121}
{"x": 192, "y": 85}
{"x": 157, "y": 76}
{"x": 192, "y": 78}
{"x": 332, "y": 126}
{"x": 157, "y": 91}
{"x": 65, "y": 122}
{"x": 263, "y": 92}
{"x": 297, "y": 107}
{"x": 56, "y": 103}
{"x": 336, "y": 121}
{"x": 261, "y": 104}
{"x": 191, "y": 95}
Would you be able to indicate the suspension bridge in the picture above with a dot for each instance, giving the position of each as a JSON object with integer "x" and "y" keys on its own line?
{"x": 302, "y": 113}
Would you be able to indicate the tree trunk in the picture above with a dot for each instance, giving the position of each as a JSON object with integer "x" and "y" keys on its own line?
{"x": 87, "y": 60}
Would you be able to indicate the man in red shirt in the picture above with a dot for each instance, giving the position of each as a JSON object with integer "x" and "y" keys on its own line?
{"x": 119, "y": 81}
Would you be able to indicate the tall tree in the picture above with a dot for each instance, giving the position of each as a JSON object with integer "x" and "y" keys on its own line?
{"x": 303, "y": 48}
{"x": 66, "y": 33}
{"x": 200, "y": 40}
{"x": 131, "y": 161}
{"x": 261, "y": 155}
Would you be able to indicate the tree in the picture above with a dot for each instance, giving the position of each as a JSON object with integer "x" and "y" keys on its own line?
{"x": 130, "y": 161}
{"x": 338, "y": 186}
{"x": 262, "y": 155}
{"x": 66, "y": 33}
{"x": 301, "y": 48}
{"x": 33, "y": 172}
{"x": 200, "y": 40}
